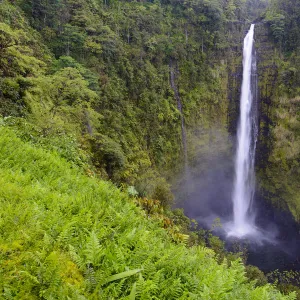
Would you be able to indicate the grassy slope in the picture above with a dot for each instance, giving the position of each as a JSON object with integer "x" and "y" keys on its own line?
{"x": 63, "y": 234}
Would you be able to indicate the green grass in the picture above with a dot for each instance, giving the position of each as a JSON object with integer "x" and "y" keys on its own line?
{"x": 64, "y": 235}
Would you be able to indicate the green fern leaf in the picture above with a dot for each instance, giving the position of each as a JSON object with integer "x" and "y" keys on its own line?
{"x": 133, "y": 292}
{"x": 123, "y": 275}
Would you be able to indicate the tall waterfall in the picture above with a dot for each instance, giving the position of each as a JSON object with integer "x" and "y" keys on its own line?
{"x": 244, "y": 185}
{"x": 173, "y": 71}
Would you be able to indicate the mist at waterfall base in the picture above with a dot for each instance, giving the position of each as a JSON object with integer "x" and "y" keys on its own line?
{"x": 207, "y": 195}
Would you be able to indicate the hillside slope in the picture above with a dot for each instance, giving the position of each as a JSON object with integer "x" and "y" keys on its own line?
{"x": 67, "y": 236}
{"x": 101, "y": 72}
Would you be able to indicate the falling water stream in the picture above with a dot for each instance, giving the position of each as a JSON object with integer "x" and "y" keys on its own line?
{"x": 173, "y": 71}
{"x": 244, "y": 184}
{"x": 270, "y": 235}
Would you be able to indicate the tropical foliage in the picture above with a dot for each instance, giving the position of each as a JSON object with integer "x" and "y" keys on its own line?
{"x": 281, "y": 120}
{"x": 67, "y": 236}
{"x": 101, "y": 89}
{"x": 100, "y": 72}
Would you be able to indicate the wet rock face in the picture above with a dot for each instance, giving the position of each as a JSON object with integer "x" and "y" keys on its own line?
{"x": 267, "y": 78}
{"x": 278, "y": 144}
{"x": 235, "y": 77}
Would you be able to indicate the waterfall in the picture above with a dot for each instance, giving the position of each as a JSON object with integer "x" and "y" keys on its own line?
{"x": 179, "y": 106}
{"x": 244, "y": 184}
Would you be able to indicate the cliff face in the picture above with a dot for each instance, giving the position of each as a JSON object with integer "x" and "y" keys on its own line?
{"x": 212, "y": 122}
{"x": 267, "y": 77}
{"x": 278, "y": 144}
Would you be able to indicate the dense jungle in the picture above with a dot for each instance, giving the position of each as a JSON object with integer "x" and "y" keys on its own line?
{"x": 118, "y": 126}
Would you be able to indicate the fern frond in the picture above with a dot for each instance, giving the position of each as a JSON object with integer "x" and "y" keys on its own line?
{"x": 77, "y": 259}
{"x": 123, "y": 275}
{"x": 133, "y": 292}
{"x": 93, "y": 251}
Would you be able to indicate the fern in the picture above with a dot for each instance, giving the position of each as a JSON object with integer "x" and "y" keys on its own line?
{"x": 90, "y": 278}
{"x": 76, "y": 258}
{"x": 93, "y": 251}
{"x": 133, "y": 292}
{"x": 122, "y": 275}
{"x": 67, "y": 236}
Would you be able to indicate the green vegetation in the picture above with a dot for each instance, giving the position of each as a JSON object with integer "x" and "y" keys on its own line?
{"x": 85, "y": 93}
{"x": 65, "y": 235}
{"x": 99, "y": 73}
{"x": 280, "y": 88}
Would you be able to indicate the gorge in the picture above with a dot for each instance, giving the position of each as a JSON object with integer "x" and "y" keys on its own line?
{"x": 144, "y": 154}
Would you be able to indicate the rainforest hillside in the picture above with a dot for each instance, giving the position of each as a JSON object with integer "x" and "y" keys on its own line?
{"x": 67, "y": 236}
{"x": 94, "y": 78}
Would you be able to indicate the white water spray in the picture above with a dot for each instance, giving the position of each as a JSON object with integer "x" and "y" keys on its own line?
{"x": 244, "y": 185}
